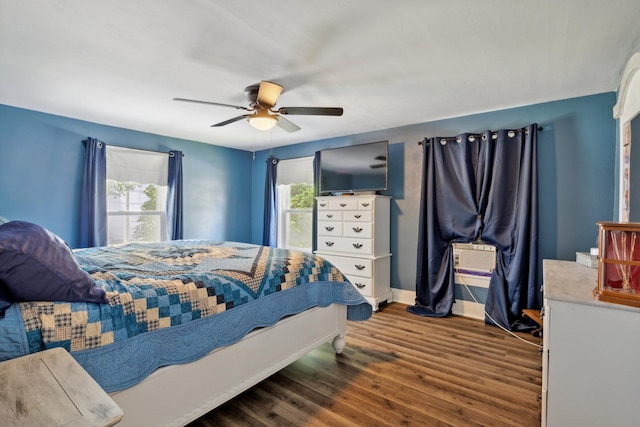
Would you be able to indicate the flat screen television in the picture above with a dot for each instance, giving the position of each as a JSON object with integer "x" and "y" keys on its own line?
{"x": 355, "y": 168}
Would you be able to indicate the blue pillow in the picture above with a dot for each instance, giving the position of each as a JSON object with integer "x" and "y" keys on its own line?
{"x": 37, "y": 265}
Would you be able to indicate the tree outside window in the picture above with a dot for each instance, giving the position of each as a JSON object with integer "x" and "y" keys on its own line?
{"x": 295, "y": 195}
{"x": 134, "y": 213}
{"x": 299, "y": 218}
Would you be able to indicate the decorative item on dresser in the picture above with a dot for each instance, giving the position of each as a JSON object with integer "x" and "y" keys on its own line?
{"x": 353, "y": 234}
{"x": 619, "y": 263}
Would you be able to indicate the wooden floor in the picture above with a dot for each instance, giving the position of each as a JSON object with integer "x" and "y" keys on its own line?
{"x": 399, "y": 369}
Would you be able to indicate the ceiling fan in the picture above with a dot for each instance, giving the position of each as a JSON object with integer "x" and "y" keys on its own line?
{"x": 262, "y": 115}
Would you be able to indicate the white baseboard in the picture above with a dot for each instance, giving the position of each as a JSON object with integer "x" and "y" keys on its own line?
{"x": 460, "y": 307}
{"x": 468, "y": 309}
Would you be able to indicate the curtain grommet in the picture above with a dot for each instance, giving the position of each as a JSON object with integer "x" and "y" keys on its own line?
{"x": 443, "y": 141}
{"x": 511, "y": 134}
{"x": 472, "y": 138}
{"x": 458, "y": 140}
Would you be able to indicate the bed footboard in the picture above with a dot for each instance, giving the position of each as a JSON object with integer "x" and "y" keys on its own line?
{"x": 176, "y": 395}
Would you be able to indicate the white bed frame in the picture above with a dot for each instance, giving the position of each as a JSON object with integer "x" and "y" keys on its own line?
{"x": 178, "y": 394}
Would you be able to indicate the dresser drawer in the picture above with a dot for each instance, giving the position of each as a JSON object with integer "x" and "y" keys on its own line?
{"x": 364, "y": 216}
{"x": 323, "y": 204}
{"x": 343, "y": 203}
{"x": 345, "y": 244}
{"x": 330, "y": 228}
{"x": 365, "y": 204}
{"x": 361, "y": 230}
{"x": 363, "y": 284}
{"x": 351, "y": 266}
{"x": 329, "y": 216}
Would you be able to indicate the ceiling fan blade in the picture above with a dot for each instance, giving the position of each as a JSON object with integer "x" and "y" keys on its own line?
{"x": 312, "y": 111}
{"x": 268, "y": 93}
{"x": 287, "y": 125}
{"x": 237, "y": 107}
{"x": 235, "y": 119}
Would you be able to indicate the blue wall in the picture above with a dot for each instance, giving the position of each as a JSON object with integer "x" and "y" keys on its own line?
{"x": 576, "y": 175}
{"x": 41, "y": 159}
{"x": 41, "y": 162}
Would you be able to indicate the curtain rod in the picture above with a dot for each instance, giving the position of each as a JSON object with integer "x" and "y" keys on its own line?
{"x": 170, "y": 153}
{"x": 479, "y": 135}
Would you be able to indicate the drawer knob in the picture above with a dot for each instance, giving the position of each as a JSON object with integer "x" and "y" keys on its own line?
{"x": 359, "y": 285}
{"x": 359, "y": 267}
{"x": 357, "y": 245}
{"x": 329, "y": 215}
{"x": 357, "y": 216}
{"x": 323, "y": 205}
{"x": 357, "y": 229}
{"x": 365, "y": 204}
{"x": 343, "y": 204}
{"x": 329, "y": 228}
{"x": 328, "y": 243}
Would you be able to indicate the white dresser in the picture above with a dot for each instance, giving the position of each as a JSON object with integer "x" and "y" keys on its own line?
{"x": 353, "y": 234}
{"x": 590, "y": 369}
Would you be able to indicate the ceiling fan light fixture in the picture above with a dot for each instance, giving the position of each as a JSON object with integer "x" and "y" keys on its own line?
{"x": 262, "y": 120}
{"x": 262, "y": 114}
{"x": 262, "y": 123}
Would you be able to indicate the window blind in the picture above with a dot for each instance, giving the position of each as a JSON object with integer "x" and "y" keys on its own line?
{"x": 142, "y": 167}
{"x": 295, "y": 171}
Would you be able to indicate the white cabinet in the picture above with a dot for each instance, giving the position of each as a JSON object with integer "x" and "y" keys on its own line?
{"x": 353, "y": 235}
{"x": 590, "y": 369}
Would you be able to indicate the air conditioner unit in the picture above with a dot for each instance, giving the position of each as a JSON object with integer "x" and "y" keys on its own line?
{"x": 474, "y": 258}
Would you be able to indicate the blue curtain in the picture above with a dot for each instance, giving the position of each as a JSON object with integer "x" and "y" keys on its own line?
{"x": 479, "y": 187}
{"x": 93, "y": 209}
{"x": 316, "y": 192}
{"x": 269, "y": 226}
{"x": 174, "y": 196}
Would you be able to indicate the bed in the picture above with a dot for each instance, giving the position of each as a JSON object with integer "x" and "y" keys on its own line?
{"x": 173, "y": 329}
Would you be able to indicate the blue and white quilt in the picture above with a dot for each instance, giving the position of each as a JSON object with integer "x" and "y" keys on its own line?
{"x": 173, "y": 302}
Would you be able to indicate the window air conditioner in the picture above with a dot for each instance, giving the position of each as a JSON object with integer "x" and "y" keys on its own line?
{"x": 474, "y": 258}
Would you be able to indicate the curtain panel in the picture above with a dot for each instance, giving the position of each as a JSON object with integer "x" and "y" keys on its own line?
{"x": 269, "y": 225}
{"x": 316, "y": 193}
{"x": 93, "y": 207}
{"x": 479, "y": 187}
{"x": 174, "y": 196}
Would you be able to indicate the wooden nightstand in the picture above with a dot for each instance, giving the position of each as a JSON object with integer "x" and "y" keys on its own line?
{"x": 50, "y": 388}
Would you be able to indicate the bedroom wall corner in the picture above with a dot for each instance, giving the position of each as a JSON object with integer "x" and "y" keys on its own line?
{"x": 42, "y": 158}
{"x": 576, "y": 173}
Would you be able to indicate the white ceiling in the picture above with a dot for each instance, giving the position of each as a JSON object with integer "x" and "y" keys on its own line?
{"x": 387, "y": 63}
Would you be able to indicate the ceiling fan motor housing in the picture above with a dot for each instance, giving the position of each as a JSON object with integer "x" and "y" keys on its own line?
{"x": 251, "y": 92}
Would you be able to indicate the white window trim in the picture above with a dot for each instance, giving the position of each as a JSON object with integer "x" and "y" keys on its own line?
{"x": 299, "y": 170}
{"x": 144, "y": 168}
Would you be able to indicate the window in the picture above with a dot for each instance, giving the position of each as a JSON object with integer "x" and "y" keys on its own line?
{"x": 295, "y": 192}
{"x": 136, "y": 196}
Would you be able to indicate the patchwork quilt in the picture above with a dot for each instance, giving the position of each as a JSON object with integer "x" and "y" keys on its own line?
{"x": 153, "y": 286}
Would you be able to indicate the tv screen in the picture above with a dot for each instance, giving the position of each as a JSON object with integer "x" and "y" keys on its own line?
{"x": 354, "y": 168}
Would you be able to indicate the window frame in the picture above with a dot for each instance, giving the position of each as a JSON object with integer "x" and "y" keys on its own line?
{"x": 143, "y": 166}
{"x": 284, "y": 209}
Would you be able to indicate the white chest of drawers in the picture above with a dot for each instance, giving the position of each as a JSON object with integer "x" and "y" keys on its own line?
{"x": 353, "y": 234}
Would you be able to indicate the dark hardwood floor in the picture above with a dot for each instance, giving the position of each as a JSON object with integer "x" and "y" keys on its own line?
{"x": 400, "y": 370}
